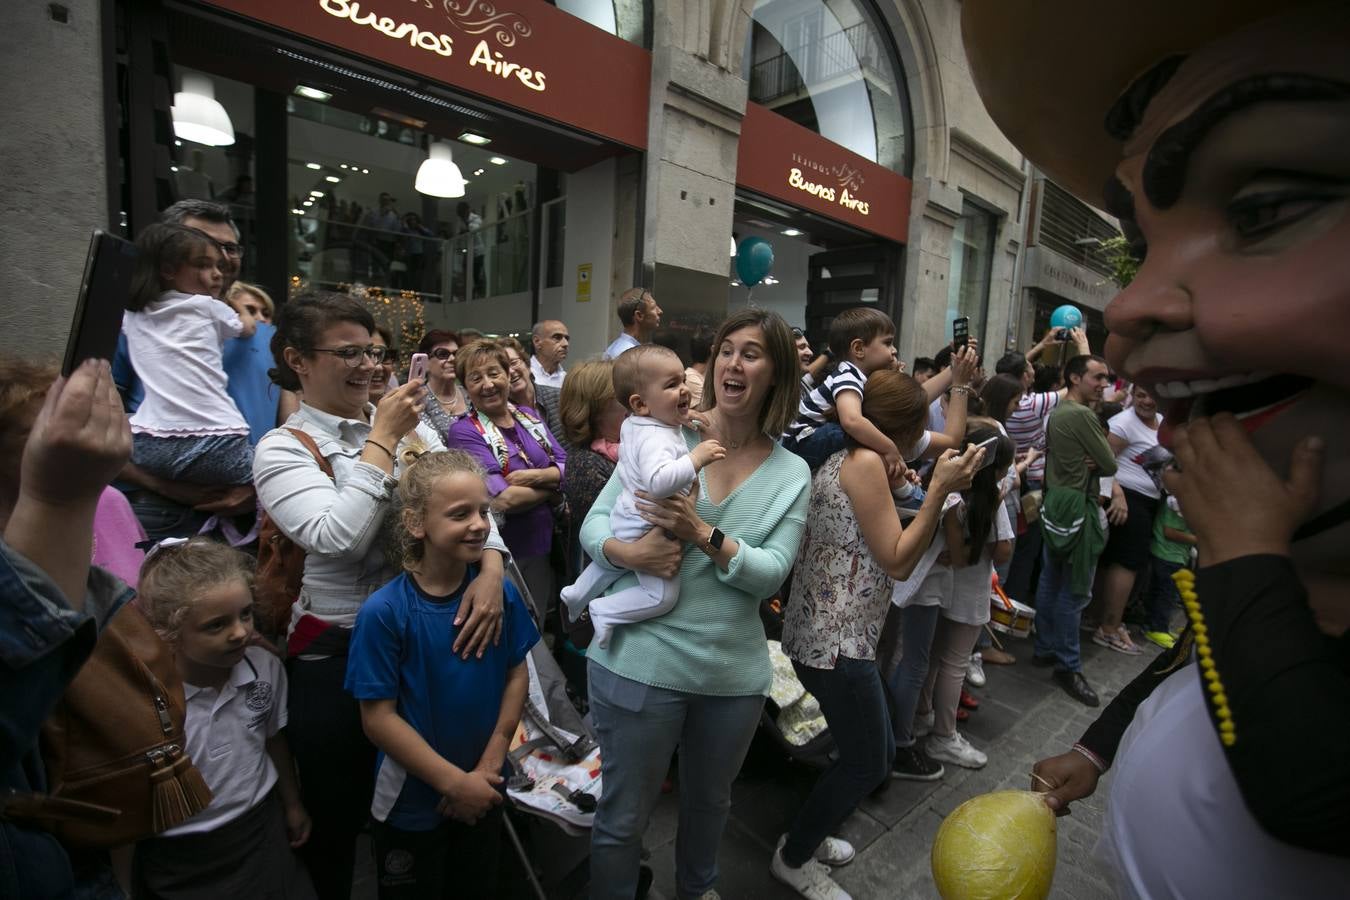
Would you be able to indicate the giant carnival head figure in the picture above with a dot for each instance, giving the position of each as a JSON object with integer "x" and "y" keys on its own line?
{"x": 1218, "y": 131}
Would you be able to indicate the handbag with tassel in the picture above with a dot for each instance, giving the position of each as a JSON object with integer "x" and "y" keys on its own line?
{"x": 114, "y": 750}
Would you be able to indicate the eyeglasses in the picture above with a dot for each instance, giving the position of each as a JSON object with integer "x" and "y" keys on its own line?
{"x": 233, "y": 251}
{"x": 351, "y": 355}
{"x": 442, "y": 354}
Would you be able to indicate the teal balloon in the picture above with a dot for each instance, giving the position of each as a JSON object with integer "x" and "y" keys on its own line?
{"x": 1066, "y": 316}
{"x": 754, "y": 260}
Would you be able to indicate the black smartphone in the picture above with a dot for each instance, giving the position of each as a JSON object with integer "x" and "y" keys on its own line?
{"x": 961, "y": 332}
{"x": 990, "y": 447}
{"x": 103, "y": 297}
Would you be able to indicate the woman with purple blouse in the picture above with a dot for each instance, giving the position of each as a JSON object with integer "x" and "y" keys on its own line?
{"x": 523, "y": 460}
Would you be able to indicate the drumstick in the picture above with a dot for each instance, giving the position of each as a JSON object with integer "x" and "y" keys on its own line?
{"x": 1048, "y": 785}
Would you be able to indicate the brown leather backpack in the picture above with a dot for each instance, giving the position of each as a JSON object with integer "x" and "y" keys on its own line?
{"x": 281, "y": 563}
{"x": 114, "y": 745}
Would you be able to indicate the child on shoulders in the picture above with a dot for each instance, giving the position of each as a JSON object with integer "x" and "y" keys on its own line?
{"x": 187, "y": 428}
{"x": 442, "y": 724}
{"x": 649, "y": 381}
{"x": 198, "y": 594}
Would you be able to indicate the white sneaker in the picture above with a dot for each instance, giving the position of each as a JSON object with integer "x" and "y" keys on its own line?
{"x": 956, "y": 750}
{"x": 923, "y": 724}
{"x": 832, "y": 851}
{"x": 812, "y": 880}
{"x": 975, "y": 671}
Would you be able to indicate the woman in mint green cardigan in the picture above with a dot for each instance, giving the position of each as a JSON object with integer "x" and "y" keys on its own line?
{"x": 697, "y": 677}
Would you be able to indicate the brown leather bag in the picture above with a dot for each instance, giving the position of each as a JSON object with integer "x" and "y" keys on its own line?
{"x": 115, "y": 743}
{"x": 281, "y": 563}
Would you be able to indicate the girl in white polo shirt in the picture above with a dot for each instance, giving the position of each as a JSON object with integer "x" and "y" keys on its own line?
{"x": 199, "y": 596}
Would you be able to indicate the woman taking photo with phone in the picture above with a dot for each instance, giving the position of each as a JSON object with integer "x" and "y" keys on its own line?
{"x": 446, "y": 402}
{"x": 853, "y": 549}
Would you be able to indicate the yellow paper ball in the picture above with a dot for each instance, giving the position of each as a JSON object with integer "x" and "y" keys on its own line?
{"x": 998, "y": 846}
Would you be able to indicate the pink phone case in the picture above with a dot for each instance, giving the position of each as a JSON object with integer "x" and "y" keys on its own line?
{"x": 417, "y": 368}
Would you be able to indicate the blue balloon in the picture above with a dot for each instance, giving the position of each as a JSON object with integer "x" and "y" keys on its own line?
{"x": 1066, "y": 316}
{"x": 754, "y": 260}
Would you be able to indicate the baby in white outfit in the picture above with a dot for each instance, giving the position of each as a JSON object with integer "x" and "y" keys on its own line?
{"x": 654, "y": 459}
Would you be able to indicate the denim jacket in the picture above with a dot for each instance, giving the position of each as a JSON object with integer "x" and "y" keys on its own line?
{"x": 43, "y": 643}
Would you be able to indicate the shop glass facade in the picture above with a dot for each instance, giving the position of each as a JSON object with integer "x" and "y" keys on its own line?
{"x": 830, "y": 67}
{"x": 971, "y": 268}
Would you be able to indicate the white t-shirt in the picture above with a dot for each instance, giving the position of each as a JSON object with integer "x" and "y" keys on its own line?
{"x": 541, "y": 375}
{"x": 963, "y": 593}
{"x": 1128, "y": 426}
{"x": 1176, "y": 825}
{"x": 175, "y": 346}
{"x": 227, "y": 732}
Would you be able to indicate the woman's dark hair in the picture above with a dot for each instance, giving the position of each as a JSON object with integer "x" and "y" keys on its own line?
{"x": 1012, "y": 363}
{"x": 997, "y": 393}
{"x": 386, "y": 334}
{"x": 700, "y": 346}
{"x": 982, "y": 497}
{"x": 1107, "y": 411}
{"x": 1047, "y": 379}
{"x": 162, "y": 247}
{"x": 301, "y": 321}
{"x": 437, "y": 336}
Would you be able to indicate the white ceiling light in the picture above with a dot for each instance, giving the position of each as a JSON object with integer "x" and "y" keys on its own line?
{"x": 198, "y": 116}
{"x": 310, "y": 93}
{"x": 314, "y": 166}
{"x": 363, "y": 171}
{"x": 497, "y": 161}
{"x": 298, "y": 212}
{"x": 316, "y": 193}
{"x": 438, "y": 176}
{"x": 733, "y": 248}
{"x": 469, "y": 137}
{"x": 791, "y": 232}
{"x": 333, "y": 178}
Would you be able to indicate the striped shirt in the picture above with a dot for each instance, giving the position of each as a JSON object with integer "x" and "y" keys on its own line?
{"x": 1026, "y": 427}
{"x": 818, "y": 402}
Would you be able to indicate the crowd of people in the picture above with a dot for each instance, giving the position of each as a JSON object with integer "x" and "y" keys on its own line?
{"x": 635, "y": 512}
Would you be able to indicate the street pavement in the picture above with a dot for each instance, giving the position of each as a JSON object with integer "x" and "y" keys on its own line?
{"x": 1023, "y": 717}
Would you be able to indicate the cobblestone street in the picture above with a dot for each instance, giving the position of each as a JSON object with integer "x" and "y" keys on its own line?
{"x": 1023, "y": 717}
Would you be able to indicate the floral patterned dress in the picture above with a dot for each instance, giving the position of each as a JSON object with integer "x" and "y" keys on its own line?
{"x": 839, "y": 592}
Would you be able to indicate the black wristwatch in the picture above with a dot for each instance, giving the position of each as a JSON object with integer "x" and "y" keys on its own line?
{"x": 714, "y": 541}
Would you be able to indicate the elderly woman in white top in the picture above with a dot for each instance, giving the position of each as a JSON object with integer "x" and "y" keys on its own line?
{"x": 324, "y": 347}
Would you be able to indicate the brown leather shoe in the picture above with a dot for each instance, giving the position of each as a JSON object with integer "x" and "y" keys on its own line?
{"x": 998, "y": 657}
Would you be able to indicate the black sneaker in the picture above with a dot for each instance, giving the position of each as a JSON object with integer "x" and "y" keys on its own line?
{"x": 1076, "y": 686}
{"x": 912, "y": 764}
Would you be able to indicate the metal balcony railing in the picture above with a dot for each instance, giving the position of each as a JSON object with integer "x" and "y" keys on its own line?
{"x": 844, "y": 53}
{"x": 1070, "y": 228}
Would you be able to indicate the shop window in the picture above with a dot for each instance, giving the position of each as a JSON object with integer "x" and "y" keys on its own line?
{"x": 831, "y": 68}
{"x": 358, "y": 221}
{"x": 971, "y": 267}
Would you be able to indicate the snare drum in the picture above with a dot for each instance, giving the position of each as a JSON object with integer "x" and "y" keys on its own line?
{"x": 1014, "y": 619}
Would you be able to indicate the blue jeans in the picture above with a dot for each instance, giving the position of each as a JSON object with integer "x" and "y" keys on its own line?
{"x": 1161, "y": 597}
{"x": 918, "y": 624}
{"x": 819, "y": 445}
{"x": 162, "y": 518}
{"x": 854, "y": 703}
{"x": 639, "y": 727}
{"x": 1058, "y": 614}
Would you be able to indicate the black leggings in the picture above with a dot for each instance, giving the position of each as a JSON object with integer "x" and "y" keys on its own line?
{"x": 337, "y": 770}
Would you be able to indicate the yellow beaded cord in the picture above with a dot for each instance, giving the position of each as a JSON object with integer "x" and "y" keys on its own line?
{"x": 1185, "y": 582}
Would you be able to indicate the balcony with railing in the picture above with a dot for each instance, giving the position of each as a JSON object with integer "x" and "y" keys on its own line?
{"x": 1071, "y": 228}
{"x": 843, "y": 54}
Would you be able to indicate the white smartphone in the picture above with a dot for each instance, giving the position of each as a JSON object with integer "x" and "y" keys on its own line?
{"x": 417, "y": 367}
{"x": 988, "y": 445}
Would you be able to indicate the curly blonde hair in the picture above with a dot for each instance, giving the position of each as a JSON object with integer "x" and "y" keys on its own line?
{"x": 174, "y": 577}
{"x": 414, "y": 493}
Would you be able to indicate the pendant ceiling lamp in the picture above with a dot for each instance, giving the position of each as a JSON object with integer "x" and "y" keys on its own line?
{"x": 198, "y": 116}
{"x": 438, "y": 176}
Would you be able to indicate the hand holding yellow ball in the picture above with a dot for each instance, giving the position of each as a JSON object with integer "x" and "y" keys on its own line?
{"x": 998, "y": 846}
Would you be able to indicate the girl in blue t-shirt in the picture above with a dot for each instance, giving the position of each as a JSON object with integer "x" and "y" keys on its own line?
{"x": 442, "y": 724}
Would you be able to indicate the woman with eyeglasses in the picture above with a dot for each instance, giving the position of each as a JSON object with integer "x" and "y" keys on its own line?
{"x": 325, "y": 348}
{"x": 523, "y": 461}
{"x": 446, "y": 402}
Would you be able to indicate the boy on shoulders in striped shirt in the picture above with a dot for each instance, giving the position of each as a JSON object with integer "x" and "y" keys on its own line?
{"x": 862, "y": 340}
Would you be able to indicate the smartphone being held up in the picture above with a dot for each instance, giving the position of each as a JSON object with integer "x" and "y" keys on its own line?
{"x": 103, "y": 297}
{"x": 417, "y": 367}
{"x": 961, "y": 333}
{"x": 989, "y": 446}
